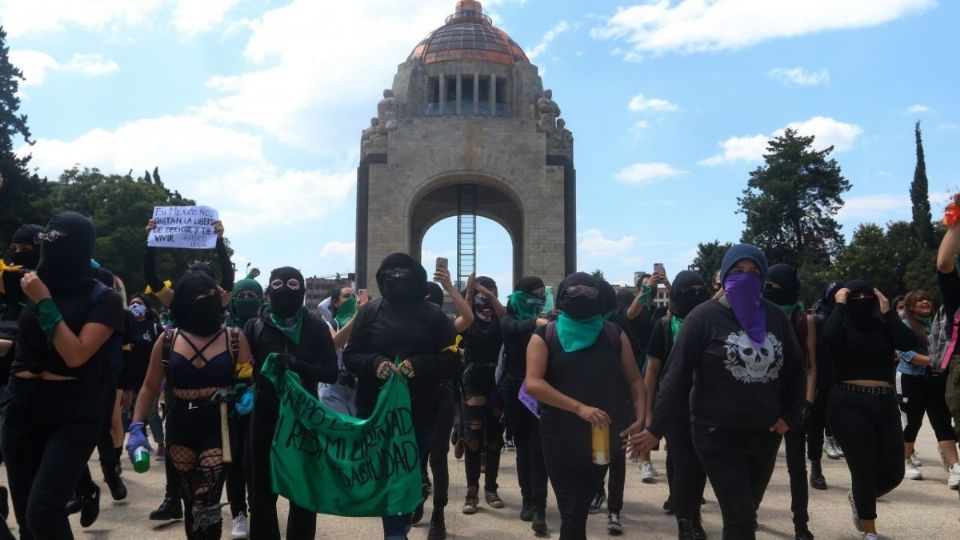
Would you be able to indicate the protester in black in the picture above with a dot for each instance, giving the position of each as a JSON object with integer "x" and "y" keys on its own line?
{"x": 574, "y": 369}
{"x": 303, "y": 341}
{"x": 820, "y": 438}
{"x": 521, "y": 319}
{"x": 739, "y": 362}
{"x": 159, "y": 288}
{"x": 863, "y": 334}
{"x": 402, "y": 326}
{"x": 685, "y": 474}
{"x": 52, "y": 405}
{"x": 783, "y": 289}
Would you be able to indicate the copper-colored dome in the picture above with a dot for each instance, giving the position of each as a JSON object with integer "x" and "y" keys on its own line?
{"x": 468, "y": 35}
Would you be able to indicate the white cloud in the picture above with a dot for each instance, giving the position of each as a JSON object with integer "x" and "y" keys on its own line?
{"x": 593, "y": 243}
{"x": 688, "y": 26}
{"x": 918, "y": 108}
{"x": 799, "y": 76}
{"x": 339, "y": 251}
{"x": 36, "y": 64}
{"x": 827, "y": 132}
{"x": 217, "y": 166}
{"x": 548, "y": 38}
{"x": 646, "y": 173}
{"x": 195, "y": 16}
{"x": 639, "y": 103}
{"x": 22, "y": 17}
{"x": 873, "y": 206}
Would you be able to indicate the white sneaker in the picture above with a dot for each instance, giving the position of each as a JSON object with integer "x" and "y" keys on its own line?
{"x": 239, "y": 527}
{"x": 953, "y": 481}
{"x": 831, "y": 448}
{"x": 648, "y": 475}
{"x": 915, "y": 459}
{"x": 910, "y": 472}
{"x": 870, "y": 536}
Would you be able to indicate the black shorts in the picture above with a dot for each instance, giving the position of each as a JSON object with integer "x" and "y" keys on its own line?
{"x": 479, "y": 380}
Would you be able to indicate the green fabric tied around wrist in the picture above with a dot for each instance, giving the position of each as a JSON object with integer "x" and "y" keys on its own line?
{"x": 50, "y": 317}
{"x": 646, "y": 295}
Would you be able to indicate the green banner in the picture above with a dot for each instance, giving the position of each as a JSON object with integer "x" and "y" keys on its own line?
{"x": 331, "y": 463}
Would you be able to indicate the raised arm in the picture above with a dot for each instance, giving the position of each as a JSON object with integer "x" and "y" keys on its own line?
{"x": 465, "y": 317}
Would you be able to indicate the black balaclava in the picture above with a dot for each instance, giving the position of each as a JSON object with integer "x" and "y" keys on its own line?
{"x": 402, "y": 291}
{"x": 65, "y": 263}
{"x": 434, "y": 293}
{"x": 861, "y": 313}
{"x": 580, "y": 307}
{"x": 200, "y": 316}
{"x": 200, "y": 266}
{"x": 284, "y": 301}
{"x": 529, "y": 284}
{"x": 27, "y": 235}
{"x": 482, "y": 306}
{"x": 608, "y": 295}
{"x": 785, "y": 276}
{"x": 682, "y": 303}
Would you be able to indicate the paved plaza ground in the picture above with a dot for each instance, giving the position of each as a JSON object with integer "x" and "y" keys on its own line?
{"x": 916, "y": 510}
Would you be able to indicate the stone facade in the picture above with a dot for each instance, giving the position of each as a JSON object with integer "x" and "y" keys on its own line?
{"x": 498, "y": 131}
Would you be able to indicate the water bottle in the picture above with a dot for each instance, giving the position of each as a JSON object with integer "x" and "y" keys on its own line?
{"x": 141, "y": 459}
{"x": 600, "y": 439}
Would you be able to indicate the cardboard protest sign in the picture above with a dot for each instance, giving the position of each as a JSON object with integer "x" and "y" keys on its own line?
{"x": 188, "y": 227}
{"x": 331, "y": 463}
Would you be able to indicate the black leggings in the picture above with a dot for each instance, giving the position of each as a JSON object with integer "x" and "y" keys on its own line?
{"x": 195, "y": 447}
{"x": 238, "y": 471}
{"x": 440, "y": 445}
{"x": 739, "y": 465}
{"x": 575, "y": 480}
{"x": 920, "y": 394}
{"x": 531, "y": 469}
{"x": 685, "y": 474}
{"x": 483, "y": 436}
{"x": 817, "y": 425}
{"x": 109, "y": 454}
{"x": 795, "y": 439}
{"x": 49, "y": 431}
{"x": 868, "y": 430}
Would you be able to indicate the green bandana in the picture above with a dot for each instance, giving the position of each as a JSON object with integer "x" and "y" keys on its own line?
{"x": 796, "y": 306}
{"x": 346, "y": 311}
{"x": 675, "y": 323}
{"x": 926, "y": 323}
{"x": 525, "y": 306}
{"x": 243, "y": 309}
{"x": 290, "y": 327}
{"x": 577, "y": 334}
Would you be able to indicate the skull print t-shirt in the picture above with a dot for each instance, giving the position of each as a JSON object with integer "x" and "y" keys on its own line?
{"x": 732, "y": 382}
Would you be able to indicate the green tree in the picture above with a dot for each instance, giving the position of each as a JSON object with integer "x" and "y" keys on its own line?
{"x": 709, "y": 258}
{"x": 791, "y": 200}
{"x": 597, "y": 274}
{"x": 919, "y": 197}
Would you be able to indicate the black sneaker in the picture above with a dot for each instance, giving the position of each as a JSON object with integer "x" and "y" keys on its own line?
{"x": 597, "y": 503}
{"x": 614, "y": 525}
{"x": 117, "y": 489}
{"x": 169, "y": 509}
{"x": 539, "y": 524}
{"x": 817, "y": 481}
{"x": 90, "y": 507}
{"x": 73, "y": 505}
{"x": 526, "y": 513}
{"x": 668, "y": 506}
{"x": 696, "y": 530}
{"x": 801, "y": 532}
{"x": 438, "y": 529}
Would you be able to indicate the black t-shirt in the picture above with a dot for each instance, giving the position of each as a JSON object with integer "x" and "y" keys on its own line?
{"x": 732, "y": 384}
{"x": 481, "y": 343}
{"x": 660, "y": 344}
{"x": 87, "y": 304}
{"x": 516, "y": 335}
{"x": 139, "y": 336}
{"x": 868, "y": 353}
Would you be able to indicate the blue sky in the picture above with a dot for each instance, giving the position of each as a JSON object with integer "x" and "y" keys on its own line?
{"x": 255, "y": 107}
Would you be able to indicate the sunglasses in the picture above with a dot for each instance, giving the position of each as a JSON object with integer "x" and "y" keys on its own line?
{"x": 49, "y": 236}
{"x": 579, "y": 290}
{"x": 293, "y": 284}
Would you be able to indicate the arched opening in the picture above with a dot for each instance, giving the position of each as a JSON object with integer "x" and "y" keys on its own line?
{"x": 494, "y": 257}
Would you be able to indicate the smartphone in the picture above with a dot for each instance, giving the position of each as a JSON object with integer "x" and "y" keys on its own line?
{"x": 442, "y": 262}
{"x": 658, "y": 269}
{"x": 362, "y": 296}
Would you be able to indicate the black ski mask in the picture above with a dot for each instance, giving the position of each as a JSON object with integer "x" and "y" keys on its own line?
{"x": 196, "y": 304}
{"x": 65, "y": 252}
{"x": 402, "y": 280}
{"x": 785, "y": 276}
{"x": 286, "y": 301}
{"x": 862, "y": 312}
{"x": 608, "y": 296}
{"x": 200, "y": 266}
{"x": 26, "y": 235}
{"x": 580, "y": 306}
{"x": 689, "y": 290}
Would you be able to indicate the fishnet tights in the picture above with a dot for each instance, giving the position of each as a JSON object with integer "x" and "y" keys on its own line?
{"x": 201, "y": 483}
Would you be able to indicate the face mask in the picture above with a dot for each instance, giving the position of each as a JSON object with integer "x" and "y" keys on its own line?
{"x": 779, "y": 297}
{"x": 902, "y": 313}
{"x": 862, "y": 310}
{"x": 742, "y": 291}
{"x": 200, "y": 316}
{"x": 580, "y": 307}
{"x": 65, "y": 251}
{"x": 138, "y": 310}
{"x": 27, "y": 259}
{"x": 401, "y": 290}
{"x": 285, "y": 302}
{"x": 482, "y": 307}
{"x": 245, "y": 309}
{"x": 685, "y": 302}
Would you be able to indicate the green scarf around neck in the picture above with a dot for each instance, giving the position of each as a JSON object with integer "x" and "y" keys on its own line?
{"x": 525, "y": 306}
{"x": 926, "y": 323}
{"x": 346, "y": 311}
{"x": 290, "y": 327}
{"x": 578, "y": 334}
{"x": 796, "y": 306}
{"x": 675, "y": 323}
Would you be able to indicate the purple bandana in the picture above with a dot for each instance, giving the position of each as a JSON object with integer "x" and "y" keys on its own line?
{"x": 743, "y": 292}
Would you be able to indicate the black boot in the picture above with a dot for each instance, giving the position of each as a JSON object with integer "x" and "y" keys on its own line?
{"x": 801, "y": 532}
{"x": 697, "y": 528}
{"x": 117, "y": 489}
{"x": 438, "y": 529}
{"x": 90, "y": 507}
{"x": 817, "y": 481}
{"x": 169, "y": 509}
{"x": 73, "y": 505}
{"x": 539, "y": 524}
{"x": 526, "y": 512}
{"x": 684, "y": 529}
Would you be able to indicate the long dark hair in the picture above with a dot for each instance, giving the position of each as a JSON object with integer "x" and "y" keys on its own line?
{"x": 910, "y": 301}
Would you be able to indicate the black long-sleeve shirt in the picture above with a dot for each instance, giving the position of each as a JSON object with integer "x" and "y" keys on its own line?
{"x": 316, "y": 356}
{"x": 731, "y": 383}
{"x": 867, "y": 353}
{"x": 516, "y": 335}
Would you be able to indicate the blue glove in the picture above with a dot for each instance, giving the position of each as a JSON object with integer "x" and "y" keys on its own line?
{"x": 138, "y": 438}
{"x": 244, "y": 405}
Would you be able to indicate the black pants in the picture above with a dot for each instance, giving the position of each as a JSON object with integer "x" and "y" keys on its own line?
{"x": 237, "y": 471}
{"x": 439, "y": 445}
{"x": 49, "y": 432}
{"x": 868, "y": 429}
{"x": 739, "y": 465}
{"x": 172, "y": 485}
{"x": 575, "y": 480}
{"x": 301, "y": 523}
{"x": 685, "y": 474}
{"x": 531, "y": 469}
{"x": 617, "y": 469}
{"x": 920, "y": 394}
{"x": 483, "y": 436}
{"x": 795, "y": 439}
{"x": 817, "y": 425}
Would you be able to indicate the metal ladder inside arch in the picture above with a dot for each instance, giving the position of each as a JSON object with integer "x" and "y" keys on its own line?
{"x": 466, "y": 233}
